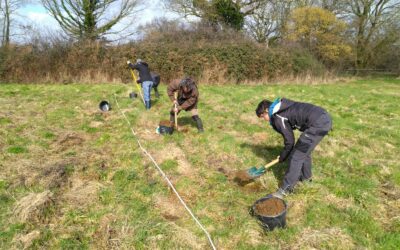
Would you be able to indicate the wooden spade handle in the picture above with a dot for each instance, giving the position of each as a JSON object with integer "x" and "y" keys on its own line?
{"x": 272, "y": 163}
{"x": 176, "y": 113}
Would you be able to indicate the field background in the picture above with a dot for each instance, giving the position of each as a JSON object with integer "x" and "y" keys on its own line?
{"x": 72, "y": 177}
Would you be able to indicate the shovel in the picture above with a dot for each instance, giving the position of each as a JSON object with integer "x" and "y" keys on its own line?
{"x": 176, "y": 113}
{"x": 244, "y": 177}
{"x": 137, "y": 85}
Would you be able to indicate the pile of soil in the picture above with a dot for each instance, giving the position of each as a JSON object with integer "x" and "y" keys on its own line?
{"x": 242, "y": 177}
{"x": 270, "y": 207}
{"x": 166, "y": 123}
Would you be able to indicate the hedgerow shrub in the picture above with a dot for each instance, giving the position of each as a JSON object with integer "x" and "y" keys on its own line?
{"x": 209, "y": 56}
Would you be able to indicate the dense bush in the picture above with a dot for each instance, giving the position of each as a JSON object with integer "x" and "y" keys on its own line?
{"x": 210, "y": 56}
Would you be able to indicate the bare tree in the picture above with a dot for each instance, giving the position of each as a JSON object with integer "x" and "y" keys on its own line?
{"x": 203, "y": 8}
{"x": 91, "y": 19}
{"x": 267, "y": 23}
{"x": 8, "y": 9}
{"x": 372, "y": 22}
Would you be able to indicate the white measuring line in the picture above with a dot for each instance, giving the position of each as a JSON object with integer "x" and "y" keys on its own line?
{"x": 165, "y": 177}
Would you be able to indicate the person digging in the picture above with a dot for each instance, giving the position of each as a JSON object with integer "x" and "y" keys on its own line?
{"x": 145, "y": 79}
{"x": 284, "y": 116}
{"x": 187, "y": 99}
{"x": 156, "y": 81}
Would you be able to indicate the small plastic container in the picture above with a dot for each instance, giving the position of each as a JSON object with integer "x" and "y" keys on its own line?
{"x": 133, "y": 95}
{"x": 104, "y": 106}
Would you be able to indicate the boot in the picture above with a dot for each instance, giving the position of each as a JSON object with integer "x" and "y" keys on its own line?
{"x": 156, "y": 92}
{"x": 199, "y": 123}
{"x": 282, "y": 192}
{"x": 148, "y": 104}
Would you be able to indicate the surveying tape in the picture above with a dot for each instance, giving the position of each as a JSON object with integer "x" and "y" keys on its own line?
{"x": 165, "y": 177}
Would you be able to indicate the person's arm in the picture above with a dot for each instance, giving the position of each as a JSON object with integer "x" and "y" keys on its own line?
{"x": 284, "y": 128}
{"x": 189, "y": 102}
{"x": 132, "y": 66}
{"x": 172, "y": 87}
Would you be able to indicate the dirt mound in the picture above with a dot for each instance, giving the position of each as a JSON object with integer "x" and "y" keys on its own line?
{"x": 166, "y": 123}
{"x": 33, "y": 206}
{"x": 242, "y": 177}
{"x": 270, "y": 207}
{"x": 54, "y": 176}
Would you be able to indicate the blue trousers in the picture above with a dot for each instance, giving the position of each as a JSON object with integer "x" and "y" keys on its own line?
{"x": 146, "y": 90}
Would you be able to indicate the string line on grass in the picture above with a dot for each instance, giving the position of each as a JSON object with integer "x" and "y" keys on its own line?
{"x": 165, "y": 177}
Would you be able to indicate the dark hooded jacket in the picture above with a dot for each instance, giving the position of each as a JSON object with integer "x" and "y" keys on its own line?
{"x": 144, "y": 71}
{"x": 156, "y": 79}
{"x": 288, "y": 115}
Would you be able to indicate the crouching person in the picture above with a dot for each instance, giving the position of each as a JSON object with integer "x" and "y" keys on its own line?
{"x": 285, "y": 116}
{"x": 188, "y": 96}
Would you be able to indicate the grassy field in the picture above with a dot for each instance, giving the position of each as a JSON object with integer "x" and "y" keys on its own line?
{"x": 72, "y": 177}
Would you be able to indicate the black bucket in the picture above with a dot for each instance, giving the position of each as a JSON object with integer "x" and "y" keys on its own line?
{"x": 269, "y": 223}
{"x": 133, "y": 95}
{"x": 104, "y": 106}
{"x": 165, "y": 130}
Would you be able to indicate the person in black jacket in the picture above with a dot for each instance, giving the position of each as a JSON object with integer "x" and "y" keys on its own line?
{"x": 156, "y": 82}
{"x": 145, "y": 79}
{"x": 284, "y": 116}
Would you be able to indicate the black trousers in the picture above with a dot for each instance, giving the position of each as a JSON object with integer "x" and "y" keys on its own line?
{"x": 300, "y": 161}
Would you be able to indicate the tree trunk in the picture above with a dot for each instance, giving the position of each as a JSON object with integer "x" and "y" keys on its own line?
{"x": 6, "y": 29}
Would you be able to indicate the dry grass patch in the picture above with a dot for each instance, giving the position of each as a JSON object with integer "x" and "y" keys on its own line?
{"x": 296, "y": 211}
{"x": 172, "y": 152}
{"x": 70, "y": 140}
{"x": 338, "y": 202}
{"x": 250, "y": 118}
{"x": 327, "y": 238}
{"x": 170, "y": 208}
{"x": 26, "y": 241}
{"x": 106, "y": 235}
{"x": 81, "y": 192}
{"x": 32, "y": 208}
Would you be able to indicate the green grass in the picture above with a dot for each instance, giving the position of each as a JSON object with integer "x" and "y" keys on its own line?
{"x": 120, "y": 200}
